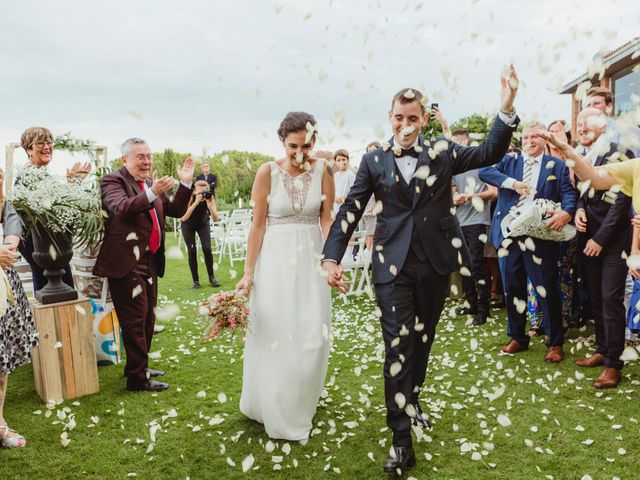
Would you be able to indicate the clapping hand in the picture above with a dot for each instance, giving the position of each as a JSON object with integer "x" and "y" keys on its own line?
{"x": 78, "y": 171}
{"x": 509, "y": 89}
{"x": 8, "y": 255}
{"x": 185, "y": 172}
{"x": 559, "y": 218}
{"x": 161, "y": 185}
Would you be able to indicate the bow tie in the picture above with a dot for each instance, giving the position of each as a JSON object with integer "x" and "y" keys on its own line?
{"x": 408, "y": 152}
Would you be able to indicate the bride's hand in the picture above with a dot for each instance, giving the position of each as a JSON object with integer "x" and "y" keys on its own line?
{"x": 245, "y": 284}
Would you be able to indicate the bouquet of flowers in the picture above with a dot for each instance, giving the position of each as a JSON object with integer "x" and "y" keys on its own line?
{"x": 226, "y": 310}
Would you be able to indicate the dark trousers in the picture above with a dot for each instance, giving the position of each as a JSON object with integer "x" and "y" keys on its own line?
{"x": 189, "y": 235}
{"x": 420, "y": 292}
{"x": 37, "y": 273}
{"x": 476, "y": 287}
{"x": 134, "y": 298}
{"x": 607, "y": 274}
{"x": 515, "y": 268}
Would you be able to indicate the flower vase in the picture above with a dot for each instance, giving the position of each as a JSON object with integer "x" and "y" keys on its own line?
{"x": 52, "y": 251}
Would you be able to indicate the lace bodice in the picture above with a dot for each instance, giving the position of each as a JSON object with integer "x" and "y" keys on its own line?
{"x": 295, "y": 199}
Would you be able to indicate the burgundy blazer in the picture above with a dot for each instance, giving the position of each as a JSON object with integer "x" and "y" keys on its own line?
{"x": 129, "y": 223}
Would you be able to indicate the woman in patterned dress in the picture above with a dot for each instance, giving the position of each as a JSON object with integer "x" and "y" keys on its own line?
{"x": 17, "y": 328}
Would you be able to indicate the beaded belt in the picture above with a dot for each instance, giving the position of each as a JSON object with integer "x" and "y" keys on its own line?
{"x": 308, "y": 220}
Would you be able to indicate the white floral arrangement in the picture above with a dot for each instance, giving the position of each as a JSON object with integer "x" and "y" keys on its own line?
{"x": 59, "y": 206}
{"x": 529, "y": 219}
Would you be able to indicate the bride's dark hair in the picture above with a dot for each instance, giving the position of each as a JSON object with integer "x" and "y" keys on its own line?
{"x": 295, "y": 122}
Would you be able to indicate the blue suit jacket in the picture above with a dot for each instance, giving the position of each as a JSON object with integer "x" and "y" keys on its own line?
{"x": 554, "y": 184}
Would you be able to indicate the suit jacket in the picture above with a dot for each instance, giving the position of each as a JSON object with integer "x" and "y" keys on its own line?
{"x": 427, "y": 208}
{"x": 554, "y": 184}
{"x": 211, "y": 179}
{"x": 129, "y": 223}
{"x": 608, "y": 224}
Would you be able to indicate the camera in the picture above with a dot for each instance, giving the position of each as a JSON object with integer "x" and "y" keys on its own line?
{"x": 206, "y": 195}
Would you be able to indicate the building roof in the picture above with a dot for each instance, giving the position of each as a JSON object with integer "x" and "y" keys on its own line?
{"x": 609, "y": 59}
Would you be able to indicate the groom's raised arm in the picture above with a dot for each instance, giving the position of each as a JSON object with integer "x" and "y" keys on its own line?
{"x": 489, "y": 152}
{"x": 350, "y": 212}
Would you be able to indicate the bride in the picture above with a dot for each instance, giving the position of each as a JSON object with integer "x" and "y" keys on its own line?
{"x": 287, "y": 345}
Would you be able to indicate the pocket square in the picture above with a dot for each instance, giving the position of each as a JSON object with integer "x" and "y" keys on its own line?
{"x": 551, "y": 178}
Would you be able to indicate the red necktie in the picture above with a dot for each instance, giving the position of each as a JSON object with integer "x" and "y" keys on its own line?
{"x": 154, "y": 239}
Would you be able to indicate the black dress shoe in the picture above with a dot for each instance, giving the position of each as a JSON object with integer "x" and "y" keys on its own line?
{"x": 479, "y": 319}
{"x": 151, "y": 372}
{"x": 150, "y": 386}
{"x": 195, "y": 286}
{"x": 497, "y": 303}
{"x": 214, "y": 282}
{"x": 420, "y": 418}
{"x": 404, "y": 459}
{"x": 467, "y": 311}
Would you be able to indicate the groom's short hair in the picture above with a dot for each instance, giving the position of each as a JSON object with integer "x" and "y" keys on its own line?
{"x": 409, "y": 95}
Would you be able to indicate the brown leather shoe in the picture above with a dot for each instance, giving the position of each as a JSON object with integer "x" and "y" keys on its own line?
{"x": 594, "y": 360}
{"x": 554, "y": 354}
{"x": 609, "y": 378}
{"x": 514, "y": 347}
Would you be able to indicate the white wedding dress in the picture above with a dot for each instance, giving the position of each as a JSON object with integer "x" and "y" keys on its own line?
{"x": 287, "y": 346}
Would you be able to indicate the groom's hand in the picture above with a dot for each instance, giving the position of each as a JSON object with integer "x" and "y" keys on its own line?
{"x": 335, "y": 277}
{"x": 509, "y": 84}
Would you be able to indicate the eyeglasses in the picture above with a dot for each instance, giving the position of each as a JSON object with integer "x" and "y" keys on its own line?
{"x": 48, "y": 143}
{"x": 141, "y": 157}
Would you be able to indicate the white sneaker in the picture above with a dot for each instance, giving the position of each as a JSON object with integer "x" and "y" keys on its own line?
{"x": 158, "y": 328}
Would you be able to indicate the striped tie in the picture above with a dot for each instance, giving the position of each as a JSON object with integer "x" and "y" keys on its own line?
{"x": 527, "y": 174}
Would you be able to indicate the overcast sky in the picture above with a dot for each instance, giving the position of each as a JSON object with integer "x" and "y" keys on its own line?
{"x": 207, "y": 76}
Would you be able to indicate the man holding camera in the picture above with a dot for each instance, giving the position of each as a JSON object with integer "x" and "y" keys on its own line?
{"x": 210, "y": 178}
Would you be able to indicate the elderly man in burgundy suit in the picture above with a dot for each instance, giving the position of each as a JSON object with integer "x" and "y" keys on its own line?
{"x": 132, "y": 254}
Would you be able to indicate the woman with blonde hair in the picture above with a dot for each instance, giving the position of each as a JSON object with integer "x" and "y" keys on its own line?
{"x": 17, "y": 328}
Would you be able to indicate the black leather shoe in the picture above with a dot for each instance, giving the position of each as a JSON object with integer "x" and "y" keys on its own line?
{"x": 151, "y": 386}
{"x": 152, "y": 372}
{"x": 403, "y": 460}
{"x": 479, "y": 319}
{"x": 214, "y": 282}
{"x": 467, "y": 311}
{"x": 420, "y": 418}
{"x": 195, "y": 286}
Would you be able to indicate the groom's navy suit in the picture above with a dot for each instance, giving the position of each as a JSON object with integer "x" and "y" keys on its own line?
{"x": 554, "y": 184}
{"x": 413, "y": 254}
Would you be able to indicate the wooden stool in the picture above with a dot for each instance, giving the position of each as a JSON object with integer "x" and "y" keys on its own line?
{"x": 64, "y": 364}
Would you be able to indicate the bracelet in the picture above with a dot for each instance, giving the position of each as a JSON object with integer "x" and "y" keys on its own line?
{"x": 509, "y": 114}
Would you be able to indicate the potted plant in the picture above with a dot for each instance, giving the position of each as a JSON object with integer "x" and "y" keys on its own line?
{"x": 59, "y": 214}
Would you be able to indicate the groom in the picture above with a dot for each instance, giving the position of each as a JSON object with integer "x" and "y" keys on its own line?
{"x": 416, "y": 244}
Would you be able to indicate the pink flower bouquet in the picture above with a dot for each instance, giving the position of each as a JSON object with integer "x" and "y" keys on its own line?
{"x": 226, "y": 311}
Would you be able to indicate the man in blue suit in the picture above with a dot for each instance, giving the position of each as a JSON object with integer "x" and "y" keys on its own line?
{"x": 416, "y": 245}
{"x": 520, "y": 179}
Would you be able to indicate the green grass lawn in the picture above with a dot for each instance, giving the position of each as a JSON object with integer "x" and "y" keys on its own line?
{"x": 494, "y": 417}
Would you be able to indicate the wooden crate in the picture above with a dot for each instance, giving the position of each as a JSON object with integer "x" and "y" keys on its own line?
{"x": 64, "y": 364}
